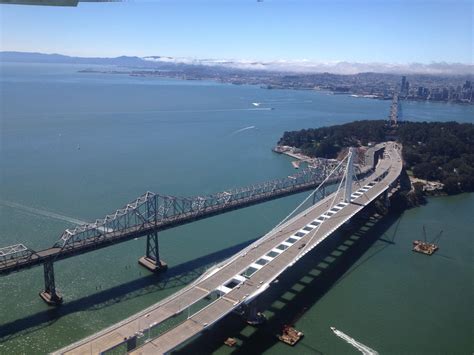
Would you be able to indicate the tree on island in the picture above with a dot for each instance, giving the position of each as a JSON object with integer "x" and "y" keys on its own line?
{"x": 441, "y": 151}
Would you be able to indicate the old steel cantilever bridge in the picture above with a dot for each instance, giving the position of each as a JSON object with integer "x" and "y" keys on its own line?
{"x": 151, "y": 213}
{"x": 239, "y": 280}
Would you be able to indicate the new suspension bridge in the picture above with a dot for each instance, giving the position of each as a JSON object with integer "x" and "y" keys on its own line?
{"x": 238, "y": 281}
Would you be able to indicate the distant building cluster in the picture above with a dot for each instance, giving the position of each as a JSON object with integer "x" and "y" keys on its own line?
{"x": 369, "y": 85}
{"x": 463, "y": 94}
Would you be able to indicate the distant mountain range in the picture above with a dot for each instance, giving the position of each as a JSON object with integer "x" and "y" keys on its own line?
{"x": 29, "y": 57}
{"x": 301, "y": 66}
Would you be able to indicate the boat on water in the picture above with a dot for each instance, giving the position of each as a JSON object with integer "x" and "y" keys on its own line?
{"x": 364, "y": 349}
{"x": 296, "y": 164}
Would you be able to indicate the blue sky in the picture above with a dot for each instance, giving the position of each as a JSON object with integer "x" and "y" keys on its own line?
{"x": 355, "y": 31}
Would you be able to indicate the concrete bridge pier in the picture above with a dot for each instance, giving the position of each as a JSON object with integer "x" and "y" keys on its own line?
{"x": 253, "y": 316}
{"x": 131, "y": 343}
{"x": 152, "y": 260}
{"x": 386, "y": 199}
{"x": 382, "y": 203}
{"x": 49, "y": 294}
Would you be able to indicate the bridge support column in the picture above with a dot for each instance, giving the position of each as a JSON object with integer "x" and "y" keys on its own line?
{"x": 131, "y": 343}
{"x": 254, "y": 317}
{"x": 50, "y": 295}
{"x": 151, "y": 260}
{"x": 386, "y": 199}
{"x": 382, "y": 203}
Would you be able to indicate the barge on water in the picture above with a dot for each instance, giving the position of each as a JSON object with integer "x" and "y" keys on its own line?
{"x": 230, "y": 342}
{"x": 290, "y": 335}
{"x": 425, "y": 247}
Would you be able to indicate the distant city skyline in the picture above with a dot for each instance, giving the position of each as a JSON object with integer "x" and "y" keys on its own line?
{"x": 399, "y": 32}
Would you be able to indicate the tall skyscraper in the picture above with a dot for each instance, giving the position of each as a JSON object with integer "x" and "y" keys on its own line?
{"x": 420, "y": 91}
{"x": 404, "y": 87}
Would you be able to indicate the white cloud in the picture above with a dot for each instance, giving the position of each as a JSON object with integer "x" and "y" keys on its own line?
{"x": 307, "y": 66}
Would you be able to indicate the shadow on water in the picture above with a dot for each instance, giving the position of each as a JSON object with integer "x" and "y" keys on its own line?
{"x": 300, "y": 288}
{"x": 179, "y": 275}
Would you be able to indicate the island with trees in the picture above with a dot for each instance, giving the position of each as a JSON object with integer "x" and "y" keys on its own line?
{"x": 440, "y": 152}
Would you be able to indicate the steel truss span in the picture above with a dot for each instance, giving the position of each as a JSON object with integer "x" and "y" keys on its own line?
{"x": 154, "y": 212}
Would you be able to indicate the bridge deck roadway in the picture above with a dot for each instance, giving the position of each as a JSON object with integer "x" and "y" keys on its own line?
{"x": 252, "y": 285}
{"x": 125, "y": 234}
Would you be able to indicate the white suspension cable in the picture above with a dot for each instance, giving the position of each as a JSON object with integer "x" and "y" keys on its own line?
{"x": 310, "y": 195}
{"x": 360, "y": 185}
{"x": 266, "y": 237}
{"x": 313, "y": 232}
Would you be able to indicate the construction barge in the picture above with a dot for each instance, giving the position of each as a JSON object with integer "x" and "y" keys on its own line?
{"x": 290, "y": 335}
{"x": 230, "y": 342}
{"x": 424, "y": 247}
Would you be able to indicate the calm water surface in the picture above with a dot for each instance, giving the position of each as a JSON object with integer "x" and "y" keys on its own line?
{"x": 82, "y": 145}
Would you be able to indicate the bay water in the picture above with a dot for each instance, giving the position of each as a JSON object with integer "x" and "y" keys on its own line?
{"x": 76, "y": 146}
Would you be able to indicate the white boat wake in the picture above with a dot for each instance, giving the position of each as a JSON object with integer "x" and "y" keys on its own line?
{"x": 40, "y": 212}
{"x": 364, "y": 349}
{"x": 282, "y": 101}
{"x": 242, "y": 129}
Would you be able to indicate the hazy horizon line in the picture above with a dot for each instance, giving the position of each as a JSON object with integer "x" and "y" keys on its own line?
{"x": 342, "y": 67}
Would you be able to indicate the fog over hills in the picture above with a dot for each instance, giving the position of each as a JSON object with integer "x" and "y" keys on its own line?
{"x": 307, "y": 66}
{"x": 298, "y": 66}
